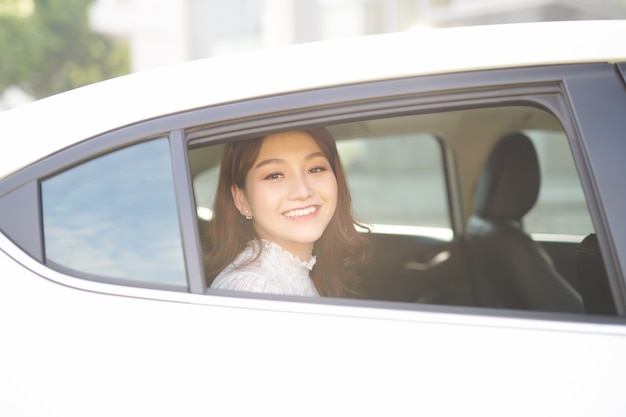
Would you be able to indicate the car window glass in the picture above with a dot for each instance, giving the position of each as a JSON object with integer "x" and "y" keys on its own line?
{"x": 115, "y": 216}
{"x": 561, "y": 207}
{"x": 397, "y": 180}
{"x": 205, "y": 185}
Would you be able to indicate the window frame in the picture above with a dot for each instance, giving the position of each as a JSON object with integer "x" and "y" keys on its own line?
{"x": 573, "y": 93}
{"x": 596, "y": 108}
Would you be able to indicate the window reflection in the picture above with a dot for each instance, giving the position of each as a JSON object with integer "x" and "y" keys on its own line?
{"x": 115, "y": 216}
{"x": 561, "y": 207}
{"x": 397, "y": 179}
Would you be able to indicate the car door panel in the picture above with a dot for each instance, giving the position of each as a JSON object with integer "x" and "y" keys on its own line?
{"x": 156, "y": 353}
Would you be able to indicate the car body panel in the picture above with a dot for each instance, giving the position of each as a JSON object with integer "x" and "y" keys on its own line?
{"x": 163, "y": 358}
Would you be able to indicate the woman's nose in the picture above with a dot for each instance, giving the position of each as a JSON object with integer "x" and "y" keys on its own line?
{"x": 300, "y": 187}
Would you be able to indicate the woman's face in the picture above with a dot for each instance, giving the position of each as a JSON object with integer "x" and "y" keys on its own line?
{"x": 291, "y": 192}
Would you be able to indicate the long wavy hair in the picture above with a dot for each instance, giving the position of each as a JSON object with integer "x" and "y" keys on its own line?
{"x": 340, "y": 251}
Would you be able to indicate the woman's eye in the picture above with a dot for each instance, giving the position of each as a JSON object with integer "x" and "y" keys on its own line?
{"x": 274, "y": 176}
{"x": 316, "y": 170}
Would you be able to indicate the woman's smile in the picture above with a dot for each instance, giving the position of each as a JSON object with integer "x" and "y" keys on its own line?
{"x": 307, "y": 212}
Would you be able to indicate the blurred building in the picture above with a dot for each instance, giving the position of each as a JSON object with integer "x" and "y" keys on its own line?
{"x": 162, "y": 32}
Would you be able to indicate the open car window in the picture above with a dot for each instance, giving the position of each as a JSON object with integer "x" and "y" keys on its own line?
{"x": 414, "y": 180}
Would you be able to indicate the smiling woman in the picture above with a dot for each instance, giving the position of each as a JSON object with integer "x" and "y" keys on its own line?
{"x": 283, "y": 209}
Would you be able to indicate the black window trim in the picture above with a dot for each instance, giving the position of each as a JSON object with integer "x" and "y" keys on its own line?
{"x": 183, "y": 187}
{"x": 597, "y": 111}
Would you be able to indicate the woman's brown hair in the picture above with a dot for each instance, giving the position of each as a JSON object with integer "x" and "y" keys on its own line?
{"x": 340, "y": 250}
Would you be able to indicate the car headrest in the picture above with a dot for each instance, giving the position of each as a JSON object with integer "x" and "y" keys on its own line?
{"x": 509, "y": 185}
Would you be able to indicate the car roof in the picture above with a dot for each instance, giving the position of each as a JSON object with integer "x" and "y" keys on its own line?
{"x": 37, "y": 129}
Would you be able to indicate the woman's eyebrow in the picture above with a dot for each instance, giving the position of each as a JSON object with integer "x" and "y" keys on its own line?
{"x": 269, "y": 162}
{"x": 282, "y": 161}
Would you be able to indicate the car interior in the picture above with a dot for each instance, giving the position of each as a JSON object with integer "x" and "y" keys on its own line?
{"x": 470, "y": 207}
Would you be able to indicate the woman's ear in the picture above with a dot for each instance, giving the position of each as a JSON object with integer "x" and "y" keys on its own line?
{"x": 241, "y": 202}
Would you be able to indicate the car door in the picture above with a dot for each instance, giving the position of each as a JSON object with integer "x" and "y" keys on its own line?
{"x": 79, "y": 341}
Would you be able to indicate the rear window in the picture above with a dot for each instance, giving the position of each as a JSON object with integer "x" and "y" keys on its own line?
{"x": 115, "y": 217}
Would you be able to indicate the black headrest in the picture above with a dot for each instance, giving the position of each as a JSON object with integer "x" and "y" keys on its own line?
{"x": 509, "y": 185}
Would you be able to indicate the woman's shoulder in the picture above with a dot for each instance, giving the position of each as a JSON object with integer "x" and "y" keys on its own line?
{"x": 245, "y": 279}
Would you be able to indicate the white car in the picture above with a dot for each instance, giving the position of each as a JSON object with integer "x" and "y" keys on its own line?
{"x": 480, "y": 297}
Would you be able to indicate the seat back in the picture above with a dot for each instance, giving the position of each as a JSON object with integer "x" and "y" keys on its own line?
{"x": 594, "y": 283}
{"x": 512, "y": 270}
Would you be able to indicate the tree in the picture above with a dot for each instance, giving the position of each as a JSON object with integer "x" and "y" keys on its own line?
{"x": 48, "y": 47}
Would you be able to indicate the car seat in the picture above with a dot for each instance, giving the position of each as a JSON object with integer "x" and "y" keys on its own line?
{"x": 511, "y": 269}
{"x": 594, "y": 284}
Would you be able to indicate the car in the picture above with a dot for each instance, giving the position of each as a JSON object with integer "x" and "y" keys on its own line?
{"x": 487, "y": 162}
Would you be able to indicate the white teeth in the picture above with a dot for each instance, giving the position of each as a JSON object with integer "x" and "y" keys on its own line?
{"x": 300, "y": 212}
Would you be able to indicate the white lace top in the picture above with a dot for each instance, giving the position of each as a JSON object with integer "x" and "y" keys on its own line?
{"x": 275, "y": 271}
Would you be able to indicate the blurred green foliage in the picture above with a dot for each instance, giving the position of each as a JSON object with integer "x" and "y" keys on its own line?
{"x": 48, "y": 47}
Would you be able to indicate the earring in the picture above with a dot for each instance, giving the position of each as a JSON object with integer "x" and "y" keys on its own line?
{"x": 248, "y": 217}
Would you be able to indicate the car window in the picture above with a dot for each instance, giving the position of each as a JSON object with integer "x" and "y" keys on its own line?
{"x": 561, "y": 208}
{"x": 410, "y": 175}
{"x": 406, "y": 170}
{"x": 115, "y": 217}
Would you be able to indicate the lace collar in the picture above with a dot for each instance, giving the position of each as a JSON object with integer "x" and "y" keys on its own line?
{"x": 273, "y": 250}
